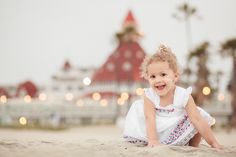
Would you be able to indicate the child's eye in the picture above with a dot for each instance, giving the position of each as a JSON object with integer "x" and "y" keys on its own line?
{"x": 163, "y": 74}
{"x": 152, "y": 76}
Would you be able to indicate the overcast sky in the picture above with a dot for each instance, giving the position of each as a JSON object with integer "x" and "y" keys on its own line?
{"x": 37, "y": 36}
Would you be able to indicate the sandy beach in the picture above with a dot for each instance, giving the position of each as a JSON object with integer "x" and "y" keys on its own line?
{"x": 98, "y": 141}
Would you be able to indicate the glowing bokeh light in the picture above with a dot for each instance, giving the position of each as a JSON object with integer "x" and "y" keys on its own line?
{"x": 42, "y": 96}
{"x": 80, "y": 103}
{"x": 206, "y": 90}
{"x": 3, "y": 99}
{"x": 96, "y": 96}
{"x": 103, "y": 102}
{"x": 120, "y": 101}
{"x": 124, "y": 96}
{"x": 22, "y": 120}
{"x": 87, "y": 81}
{"x": 221, "y": 97}
{"x": 27, "y": 98}
{"x": 139, "y": 91}
{"x": 69, "y": 96}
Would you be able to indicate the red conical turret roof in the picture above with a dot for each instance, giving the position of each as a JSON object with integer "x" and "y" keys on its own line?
{"x": 66, "y": 65}
{"x": 129, "y": 19}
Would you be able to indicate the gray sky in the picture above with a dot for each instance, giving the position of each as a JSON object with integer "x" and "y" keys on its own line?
{"x": 36, "y": 36}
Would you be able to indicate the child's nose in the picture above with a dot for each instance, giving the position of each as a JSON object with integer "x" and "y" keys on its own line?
{"x": 158, "y": 79}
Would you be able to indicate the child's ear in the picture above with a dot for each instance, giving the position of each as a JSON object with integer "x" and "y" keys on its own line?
{"x": 176, "y": 77}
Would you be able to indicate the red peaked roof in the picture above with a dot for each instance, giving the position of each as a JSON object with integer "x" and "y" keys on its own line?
{"x": 123, "y": 65}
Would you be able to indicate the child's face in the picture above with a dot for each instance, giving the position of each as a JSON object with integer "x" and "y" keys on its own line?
{"x": 161, "y": 77}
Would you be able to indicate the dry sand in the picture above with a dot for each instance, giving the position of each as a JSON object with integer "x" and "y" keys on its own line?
{"x": 99, "y": 141}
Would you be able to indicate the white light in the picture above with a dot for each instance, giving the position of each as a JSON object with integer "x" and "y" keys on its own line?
{"x": 22, "y": 120}
{"x": 42, "y": 96}
{"x": 3, "y": 99}
{"x": 221, "y": 97}
{"x": 69, "y": 96}
{"x": 120, "y": 101}
{"x": 96, "y": 96}
{"x": 80, "y": 103}
{"x": 27, "y": 99}
{"x": 103, "y": 102}
{"x": 124, "y": 96}
{"x": 206, "y": 90}
{"x": 139, "y": 91}
{"x": 87, "y": 81}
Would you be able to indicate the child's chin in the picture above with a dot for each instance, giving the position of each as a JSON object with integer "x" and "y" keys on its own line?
{"x": 160, "y": 93}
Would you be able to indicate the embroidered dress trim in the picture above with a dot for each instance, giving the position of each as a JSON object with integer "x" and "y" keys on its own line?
{"x": 165, "y": 110}
{"x": 134, "y": 140}
{"x": 185, "y": 141}
{"x": 178, "y": 131}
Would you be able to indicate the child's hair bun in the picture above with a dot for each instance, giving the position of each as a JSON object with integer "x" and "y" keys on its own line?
{"x": 164, "y": 48}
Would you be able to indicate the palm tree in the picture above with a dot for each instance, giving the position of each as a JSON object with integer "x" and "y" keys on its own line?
{"x": 188, "y": 11}
{"x": 201, "y": 54}
{"x": 229, "y": 49}
{"x": 184, "y": 13}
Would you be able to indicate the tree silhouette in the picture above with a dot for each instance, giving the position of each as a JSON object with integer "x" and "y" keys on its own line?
{"x": 185, "y": 12}
{"x": 229, "y": 49}
{"x": 188, "y": 11}
{"x": 201, "y": 54}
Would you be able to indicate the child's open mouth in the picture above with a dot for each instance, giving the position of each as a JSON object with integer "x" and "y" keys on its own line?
{"x": 160, "y": 87}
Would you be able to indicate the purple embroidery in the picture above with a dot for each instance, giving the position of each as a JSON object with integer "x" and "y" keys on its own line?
{"x": 134, "y": 140}
{"x": 165, "y": 110}
{"x": 178, "y": 131}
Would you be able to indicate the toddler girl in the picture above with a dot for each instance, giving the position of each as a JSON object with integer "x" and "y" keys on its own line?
{"x": 167, "y": 114}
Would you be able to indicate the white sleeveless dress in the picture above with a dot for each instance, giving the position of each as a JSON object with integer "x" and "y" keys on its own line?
{"x": 172, "y": 122}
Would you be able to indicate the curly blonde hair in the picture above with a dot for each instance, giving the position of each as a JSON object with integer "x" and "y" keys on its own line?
{"x": 163, "y": 54}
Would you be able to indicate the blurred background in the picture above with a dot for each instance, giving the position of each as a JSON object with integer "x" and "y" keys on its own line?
{"x": 76, "y": 62}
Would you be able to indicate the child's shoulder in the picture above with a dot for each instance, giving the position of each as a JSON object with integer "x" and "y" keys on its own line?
{"x": 148, "y": 91}
{"x": 182, "y": 95}
{"x": 151, "y": 95}
{"x": 183, "y": 90}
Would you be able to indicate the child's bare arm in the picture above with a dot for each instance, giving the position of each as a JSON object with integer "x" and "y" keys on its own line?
{"x": 200, "y": 123}
{"x": 150, "y": 115}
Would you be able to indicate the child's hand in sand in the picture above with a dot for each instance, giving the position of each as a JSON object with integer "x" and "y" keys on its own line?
{"x": 153, "y": 143}
{"x": 217, "y": 146}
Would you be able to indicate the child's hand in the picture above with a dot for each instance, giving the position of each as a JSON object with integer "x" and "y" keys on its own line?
{"x": 153, "y": 143}
{"x": 217, "y": 145}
